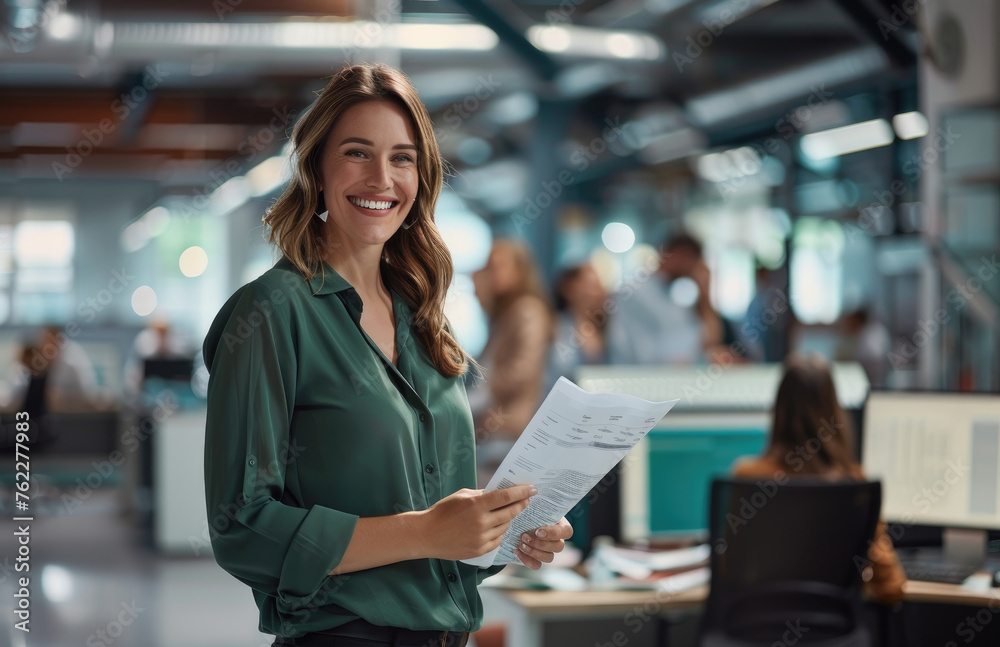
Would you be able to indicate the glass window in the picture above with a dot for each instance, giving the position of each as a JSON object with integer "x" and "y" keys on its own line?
{"x": 816, "y": 270}
{"x": 36, "y": 263}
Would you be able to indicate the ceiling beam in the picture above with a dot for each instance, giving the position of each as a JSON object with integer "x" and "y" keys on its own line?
{"x": 169, "y": 107}
{"x": 899, "y": 52}
{"x": 494, "y": 15}
{"x": 222, "y": 9}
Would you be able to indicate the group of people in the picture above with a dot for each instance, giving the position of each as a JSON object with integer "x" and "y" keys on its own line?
{"x": 664, "y": 318}
{"x": 534, "y": 339}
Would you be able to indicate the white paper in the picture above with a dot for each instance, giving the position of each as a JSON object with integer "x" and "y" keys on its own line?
{"x": 573, "y": 440}
{"x": 641, "y": 564}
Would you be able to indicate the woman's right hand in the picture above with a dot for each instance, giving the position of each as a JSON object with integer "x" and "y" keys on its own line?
{"x": 470, "y": 523}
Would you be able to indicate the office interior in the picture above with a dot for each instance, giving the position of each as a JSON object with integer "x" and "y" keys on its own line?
{"x": 837, "y": 163}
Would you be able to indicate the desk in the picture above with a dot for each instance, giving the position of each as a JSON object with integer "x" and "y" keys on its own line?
{"x": 937, "y": 593}
{"x": 180, "y": 519}
{"x": 528, "y": 611}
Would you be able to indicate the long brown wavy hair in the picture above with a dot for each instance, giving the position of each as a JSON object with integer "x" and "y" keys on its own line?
{"x": 416, "y": 263}
{"x": 811, "y": 433}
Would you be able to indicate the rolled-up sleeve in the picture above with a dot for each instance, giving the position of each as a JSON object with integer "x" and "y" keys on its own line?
{"x": 276, "y": 548}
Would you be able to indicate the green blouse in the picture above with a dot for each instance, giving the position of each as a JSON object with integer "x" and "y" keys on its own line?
{"x": 310, "y": 427}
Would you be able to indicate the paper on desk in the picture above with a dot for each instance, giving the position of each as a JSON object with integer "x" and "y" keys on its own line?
{"x": 573, "y": 440}
{"x": 671, "y": 584}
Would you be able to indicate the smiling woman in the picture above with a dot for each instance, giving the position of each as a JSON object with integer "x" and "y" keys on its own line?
{"x": 368, "y": 138}
{"x": 339, "y": 447}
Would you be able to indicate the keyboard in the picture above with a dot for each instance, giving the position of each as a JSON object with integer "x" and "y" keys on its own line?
{"x": 933, "y": 571}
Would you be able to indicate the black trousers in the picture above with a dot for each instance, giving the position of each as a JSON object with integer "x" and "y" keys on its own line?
{"x": 359, "y": 633}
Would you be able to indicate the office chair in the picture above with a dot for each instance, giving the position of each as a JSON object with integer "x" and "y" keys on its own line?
{"x": 787, "y": 563}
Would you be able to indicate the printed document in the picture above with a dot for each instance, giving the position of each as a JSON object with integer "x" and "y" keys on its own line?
{"x": 573, "y": 440}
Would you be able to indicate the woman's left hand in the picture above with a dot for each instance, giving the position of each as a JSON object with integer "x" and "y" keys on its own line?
{"x": 543, "y": 543}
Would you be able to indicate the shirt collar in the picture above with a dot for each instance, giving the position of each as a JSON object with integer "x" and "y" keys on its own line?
{"x": 325, "y": 281}
{"x": 333, "y": 283}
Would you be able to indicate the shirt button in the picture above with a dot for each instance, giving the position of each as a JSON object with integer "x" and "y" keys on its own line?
{"x": 452, "y": 577}
{"x": 429, "y": 468}
{"x": 422, "y": 417}
{"x": 252, "y": 461}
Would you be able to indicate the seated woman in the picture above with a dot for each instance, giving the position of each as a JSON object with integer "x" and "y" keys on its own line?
{"x": 811, "y": 435}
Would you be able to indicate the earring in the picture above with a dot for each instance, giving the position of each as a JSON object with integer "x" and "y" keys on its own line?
{"x": 407, "y": 226}
{"x": 321, "y": 216}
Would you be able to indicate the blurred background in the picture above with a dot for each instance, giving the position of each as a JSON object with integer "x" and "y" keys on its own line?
{"x": 689, "y": 185}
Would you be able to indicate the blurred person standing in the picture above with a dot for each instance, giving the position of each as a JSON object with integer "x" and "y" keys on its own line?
{"x": 339, "y": 448}
{"x": 652, "y": 324}
{"x": 867, "y": 341}
{"x": 509, "y": 389}
{"x": 765, "y": 329}
{"x": 32, "y": 407}
{"x": 158, "y": 340}
{"x": 580, "y": 322}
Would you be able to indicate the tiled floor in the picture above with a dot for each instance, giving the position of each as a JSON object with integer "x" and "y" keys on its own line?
{"x": 96, "y": 583}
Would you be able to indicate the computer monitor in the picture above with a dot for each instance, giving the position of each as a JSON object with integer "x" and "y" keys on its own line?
{"x": 714, "y": 388}
{"x": 666, "y": 478}
{"x": 938, "y": 457}
{"x": 168, "y": 375}
{"x": 723, "y": 414}
{"x": 171, "y": 369}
